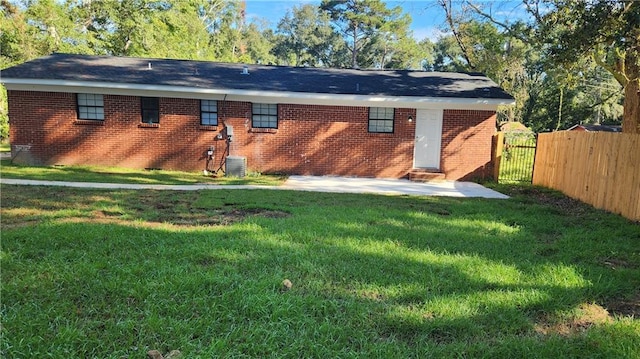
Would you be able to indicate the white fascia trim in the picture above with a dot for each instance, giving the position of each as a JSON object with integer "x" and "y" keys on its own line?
{"x": 114, "y": 88}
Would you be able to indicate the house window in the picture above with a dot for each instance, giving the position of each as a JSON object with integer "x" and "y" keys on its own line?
{"x": 264, "y": 115}
{"x": 381, "y": 119}
{"x": 150, "y": 109}
{"x": 90, "y": 107}
{"x": 208, "y": 113}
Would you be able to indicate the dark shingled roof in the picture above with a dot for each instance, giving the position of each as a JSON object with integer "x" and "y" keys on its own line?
{"x": 228, "y": 76}
{"x": 599, "y": 128}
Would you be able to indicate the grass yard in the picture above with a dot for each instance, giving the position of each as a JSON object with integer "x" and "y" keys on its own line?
{"x": 113, "y": 274}
{"x": 125, "y": 175}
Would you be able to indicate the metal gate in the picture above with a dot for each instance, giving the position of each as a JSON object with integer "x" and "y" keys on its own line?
{"x": 516, "y": 157}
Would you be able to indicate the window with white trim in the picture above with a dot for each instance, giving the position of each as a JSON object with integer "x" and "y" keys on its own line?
{"x": 208, "y": 112}
{"x": 264, "y": 115}
{"x": 381, "y": 119}
{"x": 90, "y": 107}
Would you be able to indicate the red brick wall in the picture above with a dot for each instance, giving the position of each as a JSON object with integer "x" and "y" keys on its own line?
{"x": 466, "y": 144}
{"x": 318, "y": 140}
{"x": 314, "y": 140}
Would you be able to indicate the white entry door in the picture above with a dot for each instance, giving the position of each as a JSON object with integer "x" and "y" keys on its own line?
{"x": 428, "y": 138}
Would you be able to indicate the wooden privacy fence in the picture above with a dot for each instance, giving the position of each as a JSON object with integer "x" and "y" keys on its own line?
{"x": 599, "y": 168}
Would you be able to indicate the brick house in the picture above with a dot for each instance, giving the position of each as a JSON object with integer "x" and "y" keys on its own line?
{"x": 176, "y": 114}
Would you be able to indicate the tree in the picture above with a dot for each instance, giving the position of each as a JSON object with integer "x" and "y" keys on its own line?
{"x": 606, "y": 30}
{"x": 305, "y": 37}
{"x": 176, "y": 31}
{"x": 455, "y": 22}
{"x": 226, "y": 32}
{"x": 257, "y": 44}
{"x": 427, "y": 50}
{"x": 403, "y": 53}
{"x": 479, "y": 46}
{"x": 360, "y": 22}
{"x": 393, "y": 46}
{"x": 448, "y": 55}
{"x": 549, "y": 95}
{"x": 42, "y": 28}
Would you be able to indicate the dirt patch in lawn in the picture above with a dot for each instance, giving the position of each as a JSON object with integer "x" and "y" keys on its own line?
{"x": 617, "y": 263}
{"x": 625, "y": 307}
{"x": 184, "y": 210}
{"x": 220, "y": 217}
{"x": 557, "y": 200}
{"x": 587, "y": 316}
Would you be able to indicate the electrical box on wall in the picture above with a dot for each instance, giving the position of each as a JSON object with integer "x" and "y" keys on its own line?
{"x": 228, "y": 129}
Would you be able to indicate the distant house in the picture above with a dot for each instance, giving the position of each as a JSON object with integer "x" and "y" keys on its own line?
{"x": 175, "y": 114}
{"x": 596, "y": 128}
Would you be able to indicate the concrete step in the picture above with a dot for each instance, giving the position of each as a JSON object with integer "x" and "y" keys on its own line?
{"x": 426, "y": 175}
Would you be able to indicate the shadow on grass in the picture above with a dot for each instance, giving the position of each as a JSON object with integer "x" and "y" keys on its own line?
{"x": 372, "y": 276}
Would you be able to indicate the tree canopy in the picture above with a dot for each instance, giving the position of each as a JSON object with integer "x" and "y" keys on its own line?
{"x": 305, "y": 37}
{"x": 607, "y": 31}
{"x": 536, "y": 57}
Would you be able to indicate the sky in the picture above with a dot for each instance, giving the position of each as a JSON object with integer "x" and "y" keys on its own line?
{"x": 428, "y": 17}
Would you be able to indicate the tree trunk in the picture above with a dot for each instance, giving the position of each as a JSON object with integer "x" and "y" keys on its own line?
{"x": 631, "y": 114}
{"x": 354, "y": 53}
{"x": 560, "y": 108}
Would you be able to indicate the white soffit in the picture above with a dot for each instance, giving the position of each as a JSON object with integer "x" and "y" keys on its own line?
{"x": 300, "y": 98}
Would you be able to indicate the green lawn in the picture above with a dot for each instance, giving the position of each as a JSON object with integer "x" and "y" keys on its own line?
{"x": 125, "y": 175}
{"x": 113, "y": 274}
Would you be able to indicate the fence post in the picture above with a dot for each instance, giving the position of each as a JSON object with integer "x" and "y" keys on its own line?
{"x": 498, "y": 146}
{"x": 535, "y": 153}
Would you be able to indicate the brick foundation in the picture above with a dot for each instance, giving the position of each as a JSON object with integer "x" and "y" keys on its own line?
{"x": 310, "y": 139}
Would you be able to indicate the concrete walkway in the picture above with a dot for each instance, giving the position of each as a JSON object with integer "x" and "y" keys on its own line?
{"x": 389, "y": 186}
{"x": 307, "y": 183}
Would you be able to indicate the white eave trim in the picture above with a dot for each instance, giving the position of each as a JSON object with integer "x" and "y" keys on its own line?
{"x": 300, "y": 98}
